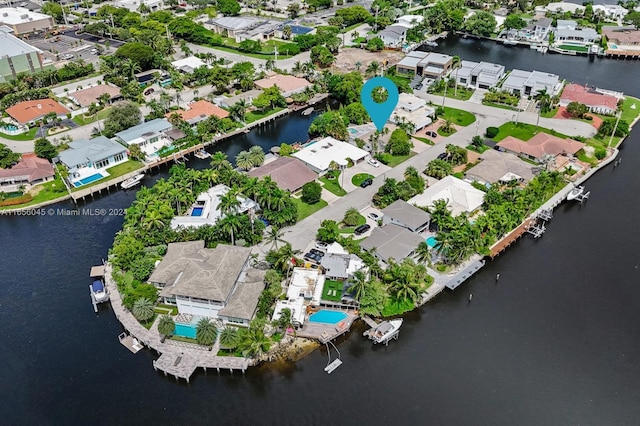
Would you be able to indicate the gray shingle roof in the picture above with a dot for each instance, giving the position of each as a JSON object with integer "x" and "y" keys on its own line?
{"x": 92, "y": 150}
{"x": 190, "y": 270}
{"x": 244, "y": 300}
{"x": 392, "y": 241}
{"x": 335, "y": 265}
{"x": 405, "y": 213}
{"x": 153, "y": 126}
{"x": 287, "y": 172}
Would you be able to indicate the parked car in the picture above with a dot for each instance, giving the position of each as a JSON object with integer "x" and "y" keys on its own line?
{"x": 94, "y": 51}
{"x": 317, "y": 252}
{"x": 361, "y": 229}
{"x": 366, "y": 182}
{"x": 373, "y": 216}
{"x": 149, "y": 91}
{"x": 419, "y": 86}
{"x": 373, "y": 162}
{"x": 312, "y": 257}
{"x": 320, "y": 245}
{"x": 431, "y": 133}
{"x": 443, "y": 156}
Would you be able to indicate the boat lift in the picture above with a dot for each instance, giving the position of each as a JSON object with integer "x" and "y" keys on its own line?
{"x": 332, "y": 365}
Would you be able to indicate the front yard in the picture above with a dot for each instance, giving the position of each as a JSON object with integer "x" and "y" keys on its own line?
{"x": 333, "y": 185}
{"x": 305, "y": 209}
{"x": 523, "y": 131}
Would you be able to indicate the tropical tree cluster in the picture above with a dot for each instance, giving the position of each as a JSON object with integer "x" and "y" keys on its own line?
{"x": 501, "y": 97}
{"x": 270, "y": 98}
{"x": 481, "y": 23}
{"x": 247, "y": 160}
{"x": 122, "y": 116}
{"x": 392, "y": 190}
{"x": 7, "y": 157}
{"x": 399, "y": 143}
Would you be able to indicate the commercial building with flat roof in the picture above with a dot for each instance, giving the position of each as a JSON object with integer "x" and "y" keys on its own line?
{"x": 23, "y": 21}
{"x": 17, "y": 56}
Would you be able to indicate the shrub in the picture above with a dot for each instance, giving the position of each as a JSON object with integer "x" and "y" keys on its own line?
{"x": 492, "y": 132}
{"x": 600, "y": 152}
{"x": 17, "y": 200}
{"x": 311, "y": 192}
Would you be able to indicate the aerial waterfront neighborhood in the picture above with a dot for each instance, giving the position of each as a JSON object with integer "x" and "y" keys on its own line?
{"x": 228, "y": 262}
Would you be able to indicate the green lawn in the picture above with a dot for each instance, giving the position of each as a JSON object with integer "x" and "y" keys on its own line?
{"x": 425, "y": 140}
{"x": 480, "y": 150}
{"x": 351, "y": 27}
{"x": 395, "y": 307}
{"x": 462, "y": 93}
{"x": 305, "y": 209}
{"x": 360, "y": 177}
{"x": 331, "y": 286}
{"x": 574, "y": 48}
{"x": 523, "y": 131}
{"x": 458, "y": 116}
{"x": 28, "y": 136}
{"x": 629, "y": 114}
{"x": 263, "y": 55}
{"x": 349, "y": 229}
{"x": 252, "y": 116}
{"x": 52, "y": 190}
{"x": 550, "y": 114}
{"x": 81, "y": 120}
{"x": 394, "y": 160}
{"x": 441, "y": 132}
{"x": 333, "y": 185}
{"x": 501, "y": 106}
{"x": 114, "y": 172}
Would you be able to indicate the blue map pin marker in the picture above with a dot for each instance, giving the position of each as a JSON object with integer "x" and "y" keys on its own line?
{"x": 379, "y": 112}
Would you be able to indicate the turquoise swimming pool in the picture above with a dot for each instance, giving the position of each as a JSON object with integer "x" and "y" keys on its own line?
{"x": 88, "y": 179}
{"x": 185, "y": 330}
{"x": 431, "y": 242}
{"x": 328, "y": 317}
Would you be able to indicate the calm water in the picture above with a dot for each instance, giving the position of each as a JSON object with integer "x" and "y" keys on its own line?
{"x": 554, "y": 342}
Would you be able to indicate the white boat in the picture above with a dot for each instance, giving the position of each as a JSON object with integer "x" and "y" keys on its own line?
{"x": 575, "y": 193}
{"x": 99, "y": 291}
{"x": 509, "y": 42}
{"x": 202, "y": 154}
{"x": 132, "y": 181}
{"x": 431, "y": 43}
{"x": 307, "y": 111}
{"x": 385, "y": 331}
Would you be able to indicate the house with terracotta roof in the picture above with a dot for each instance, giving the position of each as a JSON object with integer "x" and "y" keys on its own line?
{"x": 89, "y": 96}
{"x": 540, "y": 145}
{"x": 30, "y": 170}
{"x": 288, "y": 84}
{"x": 288, "y": 173}
{"x": 199, "y": 111}
{"x": 597, "y": 102}
{"x": 28, "y": 112}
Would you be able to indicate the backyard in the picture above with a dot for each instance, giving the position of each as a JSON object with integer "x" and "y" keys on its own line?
{"x": 252, "y": 116}
{"x": 114, "y": 172}
{"x": 332, "y": 290}
{"x": 44, "y": 192}
{"x": 29, "y": 135}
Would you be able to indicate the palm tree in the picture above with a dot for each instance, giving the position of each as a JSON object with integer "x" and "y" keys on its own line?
{"x": 440, "y": 212}
{"x": 206, "y": 332}
{"x": 297, "y": 68}
{"x": 229, "y": 202}
{"x": 355, "y": 34}
{"x": 254, "y": 342}
{"x": 373, "y": 68}
{"x": 544, "y": 102}
{"x": 239, "y": 110}
{"x": 358, "y": 284}
{"x": 351, "y": 217}
{"x": 142, "y": 309}
{"x": 243, "y": 160}
{"x": 166, "y": 326}
{"x": 231, "y": 224}
{"x": 456, "y": 61}
{"x": 274, "y": 236}
{"x": 256, "y": 154}
{"x": 269, "y": 64}
{"x": 286, "y": 32}
{"x": 423, "y": 252}
{"x": 219, "y": 162}
{"x": 229, "y": 337}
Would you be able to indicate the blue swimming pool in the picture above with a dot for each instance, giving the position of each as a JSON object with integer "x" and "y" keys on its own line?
{"x": 327, "y": 317}
{"x": 613, "y": 46}
{"x": 88, "y": 179}
{"x": 185, "y": 330}
{"x": 431, "y": 242}
{"x": 10, "y": 127}
{"x": 197, "y": 211}
{"x": 352, "y": 131}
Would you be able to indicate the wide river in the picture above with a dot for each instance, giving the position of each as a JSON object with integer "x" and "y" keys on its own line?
{"x": 554, "y": 342}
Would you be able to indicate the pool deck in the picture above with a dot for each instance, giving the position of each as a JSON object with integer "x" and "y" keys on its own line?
{"x": 178, "y": 359}
{"x": 324, "y": 332}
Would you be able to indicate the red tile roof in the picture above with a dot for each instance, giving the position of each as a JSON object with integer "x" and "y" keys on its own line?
{"x": 287, "y": 172}
{"x": 577, "y": 93}
{"x": 32, "y": 167}
{"x": 540, "y": 145}
{"x": 200, "y": 108}
{"x": 27, "y": 111}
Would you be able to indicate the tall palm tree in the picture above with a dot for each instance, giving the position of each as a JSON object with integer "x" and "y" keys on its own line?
{"x": 274, "y": 236}
{"x": 373, "y": 68}
{"x": 219, "y": 162}
{"x": 358, "y": 284}
{"x": 297, "y": 68}
{"x": 239, "y": 110}
{"x": 351, "y": 216}
{"x": 286, "y": 31}
{"x": 206, "y": 332}
{"x": 254, "y": 342}
{"x": 166, "y": 326}
{"x": 423, "y": 252}
{"x": 456, "y": 62}
{"x": 243, "y": 160}
{"x": 229, "y": 202}
{"x": 270, "y": 64}
{"x": 231, "y": 224}
{"x": 257, "y": 155}
{"x": 229, "y": 337}
{"x": 142, "y": 309}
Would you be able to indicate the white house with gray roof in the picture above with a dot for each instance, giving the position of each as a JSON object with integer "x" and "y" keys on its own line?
{"x": 393, "y": 36}
{"x": 425, "y": 64}
{"x": 215, "y": 283}
{"x": 151, "y": 136}
{"x": 392, "y": 241}
{"x": 90, "y": 159}
{"x": 340, "y": 267}
{"x": 406, "y": 215}
{"x": 244, "y": 28}
{"x": 478, "y": 75}
{"x": 529, "y": 83}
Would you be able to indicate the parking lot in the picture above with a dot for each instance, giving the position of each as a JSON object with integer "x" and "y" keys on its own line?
{"x": 70, "y": 46}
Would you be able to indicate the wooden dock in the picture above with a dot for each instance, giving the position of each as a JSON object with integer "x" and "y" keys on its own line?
{"x": 178, "y": 359}
{"x": 325, "y": 333}
{"x": 510, "y": 238}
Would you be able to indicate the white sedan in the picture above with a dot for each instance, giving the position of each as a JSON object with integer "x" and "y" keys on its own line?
{"x": 373, "y": 162}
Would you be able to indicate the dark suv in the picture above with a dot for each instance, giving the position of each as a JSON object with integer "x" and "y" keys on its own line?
{"x": 366, "y": 182}
{"x": 361, "y": 229}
